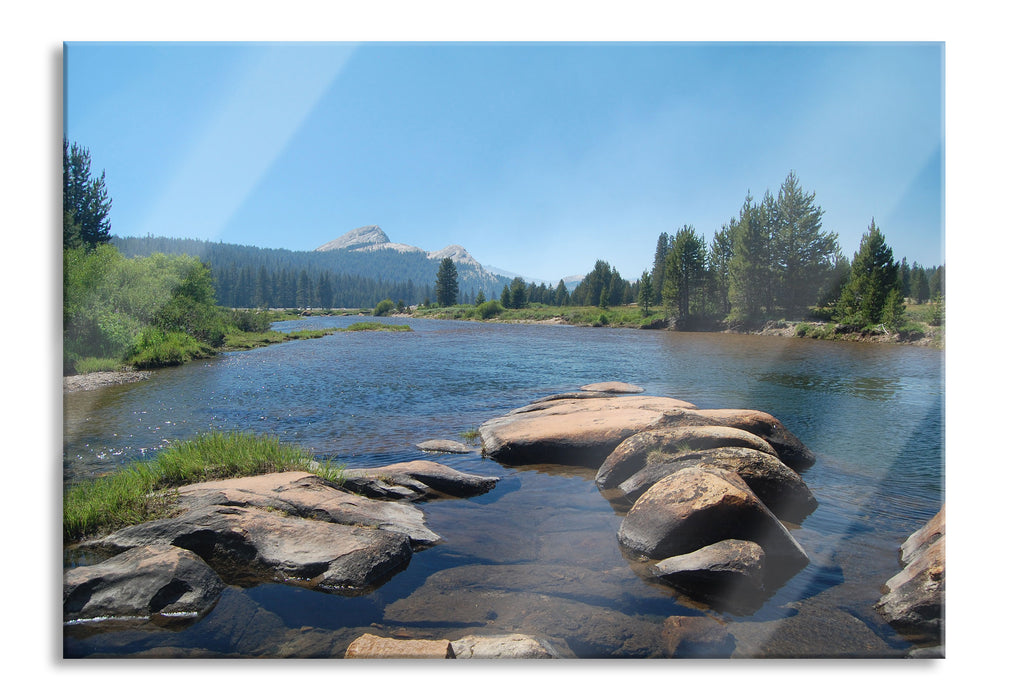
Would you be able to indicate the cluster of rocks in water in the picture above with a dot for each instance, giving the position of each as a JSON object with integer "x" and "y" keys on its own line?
{"x": 705, "y": 491}
{"x": 708, "y": 497}
{"x": 293, "y": 527}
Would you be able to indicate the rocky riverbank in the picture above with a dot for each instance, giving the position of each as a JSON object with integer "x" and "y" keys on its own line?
{"x": 99, "y": 380}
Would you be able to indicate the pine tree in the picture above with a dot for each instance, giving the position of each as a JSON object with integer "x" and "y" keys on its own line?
{"x": 873, "y": 276}
{"x": 519, "y": 293}
{"x": 561, "y": 296}
{"x": 447, "y": 283}
{"x": 750, "y": 263}
{"x": 685, "y": 267}
{"x": 645, "y": 292}
{"x": 659, "y": 266}
{"x": 86, "y": 202}
{"x": 801, "y": 252}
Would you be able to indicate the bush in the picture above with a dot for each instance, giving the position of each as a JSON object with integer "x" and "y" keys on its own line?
{"x": 157, "y": 348}
{"x": 384, "y": 307}
{"x": 250, "y": 321}
{"x": 489, "y": 309}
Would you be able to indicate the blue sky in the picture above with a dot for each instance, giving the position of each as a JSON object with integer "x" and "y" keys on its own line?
{"x": 539, "y": 158}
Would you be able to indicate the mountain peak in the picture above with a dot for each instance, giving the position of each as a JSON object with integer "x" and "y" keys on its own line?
{"x": 358, "y": 238}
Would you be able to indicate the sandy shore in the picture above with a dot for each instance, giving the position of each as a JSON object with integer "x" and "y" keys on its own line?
{"x": 97, "y": 380}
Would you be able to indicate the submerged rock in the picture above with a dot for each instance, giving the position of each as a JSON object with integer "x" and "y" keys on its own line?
{"x": 699, "y": 506}
{"x": 448, "y": 446}
{"x": 914, "y": 599}
{"x": 146, "y": 582}
{"x": 727, "y": 572}
{"x": 416, "y": 480}
{"x": 696, "y": 637}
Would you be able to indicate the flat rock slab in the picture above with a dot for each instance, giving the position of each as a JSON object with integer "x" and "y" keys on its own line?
{"x": 420, "y": 479}
{"x": 308, "y": 496}
{"x": 728, "y": 572}
{"x": 614, "y": 388}
{"x": 258, "y": 543}
{"x": 503, "y": 646}
{"x": 146, "y": 582}
{"x": 579, "y": 432}
{"x": 370, "y": 646}
{"x": 447, "y": 446}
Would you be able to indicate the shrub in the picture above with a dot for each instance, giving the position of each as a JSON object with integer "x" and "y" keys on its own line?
{"x": 489, "y": 309}
{"x": 384, "y": 307}
{"x": 158, "y": 348}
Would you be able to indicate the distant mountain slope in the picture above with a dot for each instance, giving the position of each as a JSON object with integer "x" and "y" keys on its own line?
{"x": 358, "y": 269}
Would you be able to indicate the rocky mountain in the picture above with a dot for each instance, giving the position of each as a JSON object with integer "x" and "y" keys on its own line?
{"x": 372, "y": 239}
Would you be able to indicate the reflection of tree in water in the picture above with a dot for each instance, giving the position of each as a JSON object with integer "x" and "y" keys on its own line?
{"x": 875, "y": 388}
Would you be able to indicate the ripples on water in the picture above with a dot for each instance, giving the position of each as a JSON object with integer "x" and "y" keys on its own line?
{"x": 873, "y": 414}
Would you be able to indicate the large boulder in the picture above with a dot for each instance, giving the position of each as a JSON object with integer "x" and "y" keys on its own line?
{"x": 631, "y": 454}
{"x": 155, "y": 581}
{"x": 699, "y": 506}
{"x": 913, "y": 602}
{"x": 308, "y": 496}
{"x": 730, "y": 572}
{"x": 573, "y": 431}
{"x": 787, "y": 446}
{"x": 252, "y": 544}
{"x": 419, "y": 479}
{"x": 781, "y": 489}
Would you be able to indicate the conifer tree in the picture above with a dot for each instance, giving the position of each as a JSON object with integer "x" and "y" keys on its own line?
{"x": 873, "y": 276}
{"x": 86, "y": 202}
{"x": 447, "y": 283}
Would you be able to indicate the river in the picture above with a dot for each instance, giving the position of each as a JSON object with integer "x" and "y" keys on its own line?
{"x": 538, "y": 553}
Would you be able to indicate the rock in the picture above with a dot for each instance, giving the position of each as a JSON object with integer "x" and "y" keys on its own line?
{"x": 255, "y": 543}
{"x": 727, "y": 572}
{"x": 449, "y": 446}
{"x": 781, "y": 489}
{"x": 696, "y": 637}
{"x": 786, "y": 446}
{"x": 149, "y": 581}
{"x": 369, "y": 646}
{"x": 503, "y": 646}
{"x": 614, "y": 388}
{"x": 309, "y": 496}
{"x": 913, "y": 602}
{"x": 579, "y": 432}
{"x": 631, "y": 454}
{"x": 699, "y": 506}
{"x": 919, "y": 540}
{"x": 416, "y": 480}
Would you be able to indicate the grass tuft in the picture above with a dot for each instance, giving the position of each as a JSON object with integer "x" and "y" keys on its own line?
{"x": 143, "y": 490}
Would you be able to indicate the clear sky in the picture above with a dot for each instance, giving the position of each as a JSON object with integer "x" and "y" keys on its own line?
{"x": 539, "y": 158}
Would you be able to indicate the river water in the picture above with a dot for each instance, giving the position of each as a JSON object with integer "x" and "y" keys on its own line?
{"x": 538, "y": 553}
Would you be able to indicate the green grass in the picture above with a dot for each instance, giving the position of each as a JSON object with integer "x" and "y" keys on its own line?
{"x": 247, "y": 340}
{"x": 616, "y": 316}
{"x": 144, "y": 491}
{"x": 97, "y": 364}
{"x": 471, "y": 436}
{"x": 375, "y": 326}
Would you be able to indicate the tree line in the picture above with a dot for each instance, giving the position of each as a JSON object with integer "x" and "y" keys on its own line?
{"x": 775, "y": 259}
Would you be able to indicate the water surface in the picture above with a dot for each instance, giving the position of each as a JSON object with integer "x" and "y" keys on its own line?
{"x": 538, "y": 553}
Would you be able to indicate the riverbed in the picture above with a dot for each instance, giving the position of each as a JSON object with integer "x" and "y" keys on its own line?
{"x": 538, "y": 554}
